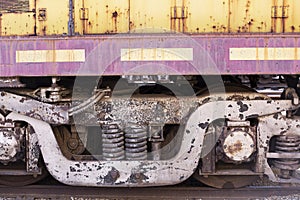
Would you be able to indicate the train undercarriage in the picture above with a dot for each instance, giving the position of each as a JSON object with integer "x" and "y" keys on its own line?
{"x": 122, "y": 94}
{"x": 132, "y": 131}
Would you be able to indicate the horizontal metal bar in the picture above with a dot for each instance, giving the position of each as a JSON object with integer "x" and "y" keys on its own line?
{"x": 233, "y": 172}
{"x": 283, "y": 155}
{"x": 11, "y": 172}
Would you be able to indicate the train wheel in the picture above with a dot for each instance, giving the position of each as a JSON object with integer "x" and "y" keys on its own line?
{"x": 229, "y": 181}
{"x": 21, "y": 180}
{"x": 217, "y": 181}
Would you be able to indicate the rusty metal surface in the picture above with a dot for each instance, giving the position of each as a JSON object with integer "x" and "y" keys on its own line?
{"x": 33, "y": 152}
{"x": 144, "y": 110}
{"x": 198, "y": 113}
{"x": 26, "y": 106}
{"x": 142, "y": 16}
{"x": 11, "y": 141}
{"x": 101, "y": 55}
{"x": 170, "y": 110}
{"x": 52, "y": 17}
{"x": 94, "y": 17}
{"x": 164, "y": 172}
{"x": 238, "y": 143}
{"x": 13, "y": 24}
{"x": 100, "y": 173}
{"x": 283, "y": 126}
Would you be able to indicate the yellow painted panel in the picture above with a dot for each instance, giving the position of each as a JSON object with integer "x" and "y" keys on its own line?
{"x": 207, "y": 16}
{"x": 292, "y": 22}
{"x": 150, "y": 15}
{"x": 17, "y": 24}
{"x": 52, "y": 17}
{"x": 31, "y": 5}
{"x": 101, "y": 16}
{"x": 78, "y": 23}
{"x": 250, "y": 15}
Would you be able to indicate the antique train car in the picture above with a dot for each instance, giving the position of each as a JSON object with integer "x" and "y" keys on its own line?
{"x": 132, "y": 93}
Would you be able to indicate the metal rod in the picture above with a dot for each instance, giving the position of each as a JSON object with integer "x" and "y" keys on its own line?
{"x": 11, "y": 172}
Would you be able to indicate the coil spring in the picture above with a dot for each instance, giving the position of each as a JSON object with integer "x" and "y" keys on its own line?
{"x": 112, "y": 142}
{"x": 136, "y": 142}
{"x": 287, "y": 144}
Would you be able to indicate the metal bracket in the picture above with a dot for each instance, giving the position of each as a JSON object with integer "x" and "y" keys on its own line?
{"x": 42, "y": 15}
{"x": 156, "y": 133}
{"x": 179, "y": 12}
{"x": 279, "y": 11}
{"x": 32, "y": 152}
{"x": 84, "y": 13}
{"x": 283, "y": 155}
{"x": 291, "y": 94}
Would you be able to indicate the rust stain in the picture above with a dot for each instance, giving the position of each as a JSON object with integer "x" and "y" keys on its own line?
{"x": 229, "y": 16}
{"x": 266, "y": 54}
{"x": 0, "y": 24}
{"x": 284, "y": 14}
{"x": 115, "y": 15}
{"x": 235, "y": 148}
{"x": 178, "y": 16}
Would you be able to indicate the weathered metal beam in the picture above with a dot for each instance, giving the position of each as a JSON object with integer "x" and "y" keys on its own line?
{"x": 52, "y": 114}
{"x": 126, "y": 173}
{"x": 283, "y": 155}
{"x": 144, "y": 110}
{"x": 173, "y": 110}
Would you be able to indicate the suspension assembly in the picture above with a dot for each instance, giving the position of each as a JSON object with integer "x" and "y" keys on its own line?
{"x": 287, "y": 144}
{"x": 136, "y": 142}
{"x": 112, "y": 142}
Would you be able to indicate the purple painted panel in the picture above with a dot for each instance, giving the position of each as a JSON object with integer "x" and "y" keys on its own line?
{"x": 263, "y": 66}
{"x": 102, "y": 55}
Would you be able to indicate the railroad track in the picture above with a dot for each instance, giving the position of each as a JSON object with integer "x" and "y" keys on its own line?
{"x": 36, "y": 192}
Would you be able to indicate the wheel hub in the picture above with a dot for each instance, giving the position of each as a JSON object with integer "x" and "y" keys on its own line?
{"x": 238, "y": 146}
{"x": 237, "y": 142}
{"x": 9, "y": 144}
